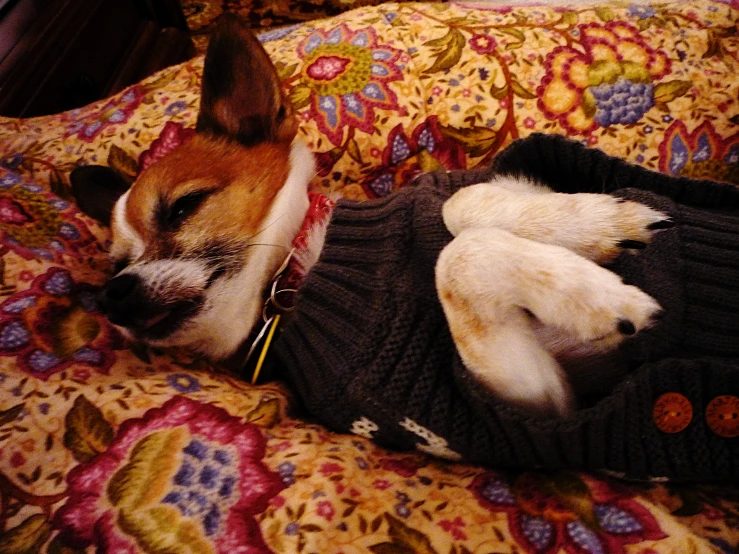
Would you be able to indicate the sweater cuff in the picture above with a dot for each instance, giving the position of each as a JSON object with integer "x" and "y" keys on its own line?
{"x": 568, "y": 166}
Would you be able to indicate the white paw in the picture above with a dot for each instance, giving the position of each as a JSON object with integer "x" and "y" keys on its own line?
{"x": 614, "y": 225}
{"x": 596, "y": 226}
{"x": 594, "y": 306}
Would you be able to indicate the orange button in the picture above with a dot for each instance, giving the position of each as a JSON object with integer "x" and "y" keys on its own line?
{"x": 672, "y": 412}
{"x": 722, "y": 416}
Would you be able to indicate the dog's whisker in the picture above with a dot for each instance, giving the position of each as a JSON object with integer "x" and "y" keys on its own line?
{"x": 268, "y": 244}
{"x": 262, "y": 230}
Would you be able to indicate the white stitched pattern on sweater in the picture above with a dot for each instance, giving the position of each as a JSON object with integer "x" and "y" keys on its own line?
{"x": 435, "y": 445}
{"x": 364, "y": 428}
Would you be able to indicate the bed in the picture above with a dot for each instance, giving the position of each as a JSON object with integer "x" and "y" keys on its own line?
{"x": 111, "y": 447}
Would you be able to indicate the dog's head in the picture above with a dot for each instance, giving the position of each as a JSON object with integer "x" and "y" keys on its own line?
{"x": 200, "y": 232}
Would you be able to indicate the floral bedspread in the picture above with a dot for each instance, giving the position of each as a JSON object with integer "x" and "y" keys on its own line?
{"x": 110, "y": 447}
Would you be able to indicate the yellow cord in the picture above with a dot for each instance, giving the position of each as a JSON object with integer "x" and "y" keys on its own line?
{"x": 263, "y": 354}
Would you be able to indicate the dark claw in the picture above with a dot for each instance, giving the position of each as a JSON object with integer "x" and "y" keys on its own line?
{"x": 663, "y": 224}
{"x": 633, "y": 244}
{"x": 625, "y": 327}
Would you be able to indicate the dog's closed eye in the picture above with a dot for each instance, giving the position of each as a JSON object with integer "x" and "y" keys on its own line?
{"x": 171, "y": 217}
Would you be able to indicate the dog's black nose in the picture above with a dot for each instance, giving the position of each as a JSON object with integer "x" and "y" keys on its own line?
{"x": 118, "y": 298}
{"x": 120, "y": 287}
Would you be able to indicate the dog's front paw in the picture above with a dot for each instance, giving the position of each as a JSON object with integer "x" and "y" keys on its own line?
{"x": 594, "y": 306}
{"x": 619, "y": 225}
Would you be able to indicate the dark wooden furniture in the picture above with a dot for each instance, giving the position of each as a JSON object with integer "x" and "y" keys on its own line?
{"x": 56, "y": 55}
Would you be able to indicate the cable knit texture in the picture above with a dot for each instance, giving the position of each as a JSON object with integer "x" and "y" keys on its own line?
{"x": 369, "y": 342}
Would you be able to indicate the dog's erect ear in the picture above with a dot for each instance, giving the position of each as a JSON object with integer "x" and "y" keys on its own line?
{"x": 96, "y": 189}
{"x": 242, "y": 96}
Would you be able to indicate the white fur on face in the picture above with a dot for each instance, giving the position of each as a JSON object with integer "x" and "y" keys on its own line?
{"x": 233, "y": 303}
{"x": 170, "y": 280}
{"x": 128, "y": 243}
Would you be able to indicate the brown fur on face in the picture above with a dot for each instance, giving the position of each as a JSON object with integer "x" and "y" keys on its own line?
{"x": 242, "y": 183}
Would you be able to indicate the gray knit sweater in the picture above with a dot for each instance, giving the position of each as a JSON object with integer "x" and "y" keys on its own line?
{"x": 368, "y": 349}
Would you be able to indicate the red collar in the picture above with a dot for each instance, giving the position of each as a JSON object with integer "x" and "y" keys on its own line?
{"x": 319, "y": 210}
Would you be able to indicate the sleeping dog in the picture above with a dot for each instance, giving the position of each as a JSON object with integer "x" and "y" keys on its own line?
{"x": 199, "y": 235}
